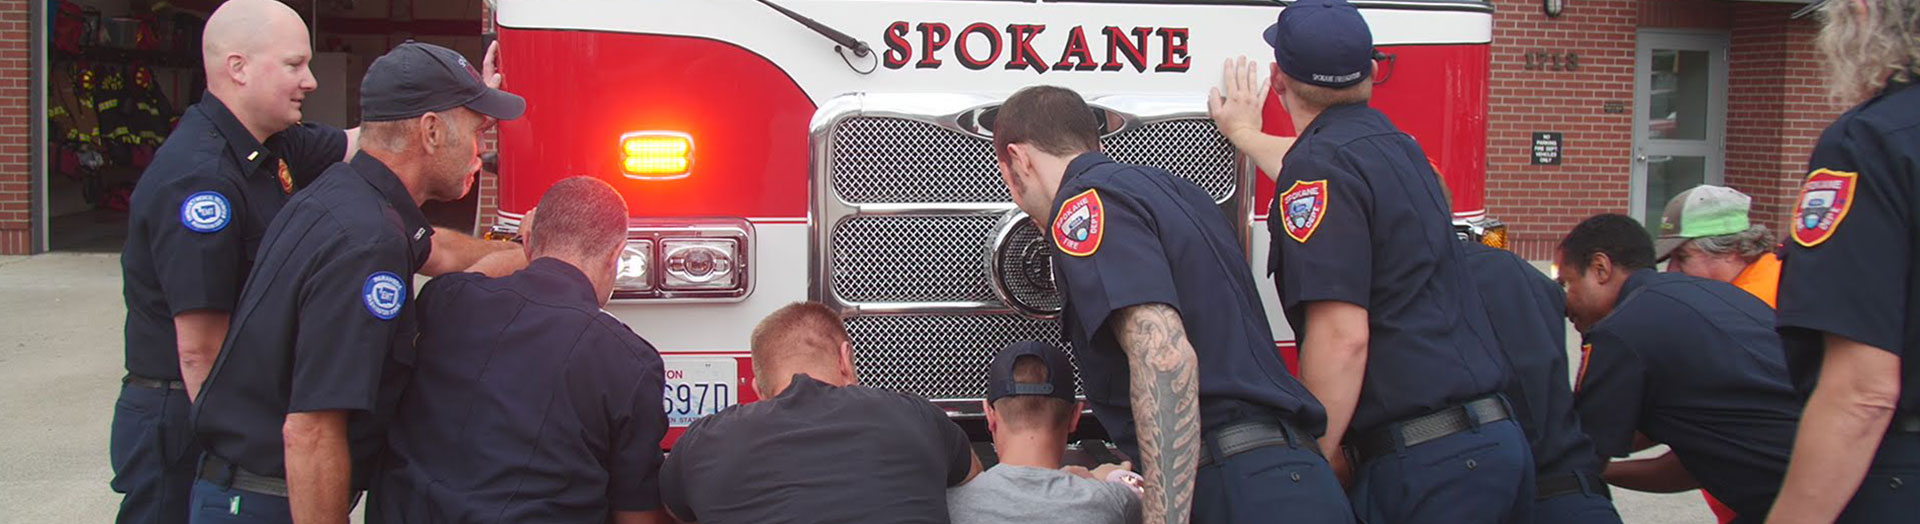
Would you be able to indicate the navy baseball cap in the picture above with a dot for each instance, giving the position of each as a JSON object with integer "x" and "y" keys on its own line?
{"x": 1059, "y": 382}
{"x": 418, "y": 78}
{"x": 1322, "y": 42}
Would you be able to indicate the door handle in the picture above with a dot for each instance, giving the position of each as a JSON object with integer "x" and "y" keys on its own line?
{"x": 1640, "y": 158}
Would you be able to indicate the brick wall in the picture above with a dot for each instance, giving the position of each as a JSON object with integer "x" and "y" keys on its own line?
{"x": 16, "y": 235}
{"x": 489, "y": 184}
{"x": 1775, "y": 109}
{"x": 1539, "y": 203}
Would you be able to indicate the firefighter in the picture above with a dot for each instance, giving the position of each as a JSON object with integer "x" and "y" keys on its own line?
{"x": 195, "y": 222}
{"x": 595, "y": 417}
{"x": 1850, "y": 282}
{"x": 291, "y": 414}
{"x": 1528, "y": 311}
{"x": 1686, "y": 361}
{"x": 1171, "y": 338}
{"x": 1394, "y": 338}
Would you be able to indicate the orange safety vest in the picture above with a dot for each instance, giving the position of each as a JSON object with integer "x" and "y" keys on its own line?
{"x": 1762, "y": 278}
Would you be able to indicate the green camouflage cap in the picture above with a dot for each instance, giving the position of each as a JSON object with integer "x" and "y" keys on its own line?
{"x": 1704, "y": 211}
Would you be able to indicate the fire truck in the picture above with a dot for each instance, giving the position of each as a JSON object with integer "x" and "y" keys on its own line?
{"x": 839, "y": 151}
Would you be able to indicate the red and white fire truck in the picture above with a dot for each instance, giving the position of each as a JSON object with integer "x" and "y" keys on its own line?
{"x": 772, "y": 151}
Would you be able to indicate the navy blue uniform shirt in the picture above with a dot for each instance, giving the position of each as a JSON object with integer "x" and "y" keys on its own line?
{"x": 1529, "y": 314}
{"x": 1133, "y": 235}
{"x": 1358, "y": 217}
{"x": 1856, "y": 240}
{"x": 818, "y": 453}
{"x": 324, "y": 305}
{"x": 526, "y": 403}
{"x": 198, "y": 214}
{"x": 1694, "y": 364}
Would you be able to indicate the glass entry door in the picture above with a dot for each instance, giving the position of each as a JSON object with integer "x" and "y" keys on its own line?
{"x": 1679, "y": 117}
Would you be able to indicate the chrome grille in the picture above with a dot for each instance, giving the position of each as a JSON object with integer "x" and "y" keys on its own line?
{"x": 939, "y": 357}
{"x": 911, "y": 162}
{"x": 900, "y": 161}
{"x": 1189, "y": 148}
{"x": 911, "y": 208}
{"x": 912, "y": 258}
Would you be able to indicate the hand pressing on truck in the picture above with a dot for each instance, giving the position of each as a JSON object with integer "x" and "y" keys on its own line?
{"x": 1236, "y": 105}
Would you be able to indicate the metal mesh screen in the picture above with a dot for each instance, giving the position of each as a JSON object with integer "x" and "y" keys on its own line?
{"x": 894, "y": 160}
{"x": 912, "y": 258}
{"x": 939, "y": 357}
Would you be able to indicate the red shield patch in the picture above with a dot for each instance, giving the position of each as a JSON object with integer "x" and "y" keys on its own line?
{"x": 1302, "y": 207}
{"x": 1824, "y": 200}
{"x": 1080, "y": 225}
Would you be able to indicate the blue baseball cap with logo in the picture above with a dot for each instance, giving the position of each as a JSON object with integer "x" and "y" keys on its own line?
{"x": 1323, "y": 42}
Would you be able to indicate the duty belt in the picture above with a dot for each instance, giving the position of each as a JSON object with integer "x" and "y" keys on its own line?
{"x": 227, "y": 474}
{"x": 1570, "y": 483}
{"x": 1391, "y": 437}
{"x": 153, "y": 383}
{"x": 1241, "y": 437}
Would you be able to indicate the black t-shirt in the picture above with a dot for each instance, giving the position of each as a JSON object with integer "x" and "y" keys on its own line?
{"x": 1695, "y": 364}
{"x": 1358, "y": 217}
{"x": 525, "y": 403}
{"x": 1856, "y": 239}
{"x": 197, "y": 217}
{"x": 1131, "y": 235}
{"x": 818, "y": 453}
{"x": 1529, "y": 317}
{"x": 323, "y": 307}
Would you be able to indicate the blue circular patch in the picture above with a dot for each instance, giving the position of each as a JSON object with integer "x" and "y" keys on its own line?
{"x": 206, "y": 212}
{"x": 384, "y": 294}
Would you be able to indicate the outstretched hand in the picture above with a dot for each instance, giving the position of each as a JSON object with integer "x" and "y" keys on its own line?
{"x": 1235, "y": 105}
{"x": 490, "y": 67}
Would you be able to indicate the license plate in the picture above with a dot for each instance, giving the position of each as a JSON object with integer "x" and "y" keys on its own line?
{"x": 699, "y": 386}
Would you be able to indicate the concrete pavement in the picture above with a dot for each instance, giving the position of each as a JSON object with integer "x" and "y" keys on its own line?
{"x": 61, "y": 318}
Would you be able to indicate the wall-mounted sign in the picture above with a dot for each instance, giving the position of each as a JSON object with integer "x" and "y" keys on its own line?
{"x": 1546, "y": 149}
{"x": 1552, "y": 61}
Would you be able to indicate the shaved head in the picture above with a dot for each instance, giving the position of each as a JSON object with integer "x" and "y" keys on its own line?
{"x": 256, "y": 54}
{"x": 245, "y": 26}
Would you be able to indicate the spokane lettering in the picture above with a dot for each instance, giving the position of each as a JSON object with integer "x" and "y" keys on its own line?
{"x": 967, "y": 58}
{"x": 980, "y": 45}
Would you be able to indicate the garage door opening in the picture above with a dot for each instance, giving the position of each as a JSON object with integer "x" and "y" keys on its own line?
{"x": 119, "y": 73}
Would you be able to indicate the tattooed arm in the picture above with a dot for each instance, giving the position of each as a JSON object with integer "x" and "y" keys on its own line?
{"x": 1166, "y": 406}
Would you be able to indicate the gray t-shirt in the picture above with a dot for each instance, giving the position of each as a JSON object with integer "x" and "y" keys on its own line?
{"x": 1024, "y": 494}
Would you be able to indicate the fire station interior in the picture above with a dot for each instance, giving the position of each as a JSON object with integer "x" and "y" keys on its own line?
{"x": 121, "y": 72}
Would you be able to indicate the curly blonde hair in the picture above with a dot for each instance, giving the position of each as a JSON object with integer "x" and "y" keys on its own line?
{"x": 1868, "y": 43}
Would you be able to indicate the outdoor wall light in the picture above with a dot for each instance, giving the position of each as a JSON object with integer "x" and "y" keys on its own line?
{"x": 1553, "y": 7}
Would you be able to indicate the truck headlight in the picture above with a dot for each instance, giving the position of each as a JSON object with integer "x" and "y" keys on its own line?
{"x": 698, "y": 264}
{"x": 635, "y": 267}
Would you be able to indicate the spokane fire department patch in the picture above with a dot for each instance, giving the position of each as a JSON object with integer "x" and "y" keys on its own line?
{"x": 1824, "y": 200}
{"x": 1080, "y": 225}
{"x": 1302, "y": 207}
